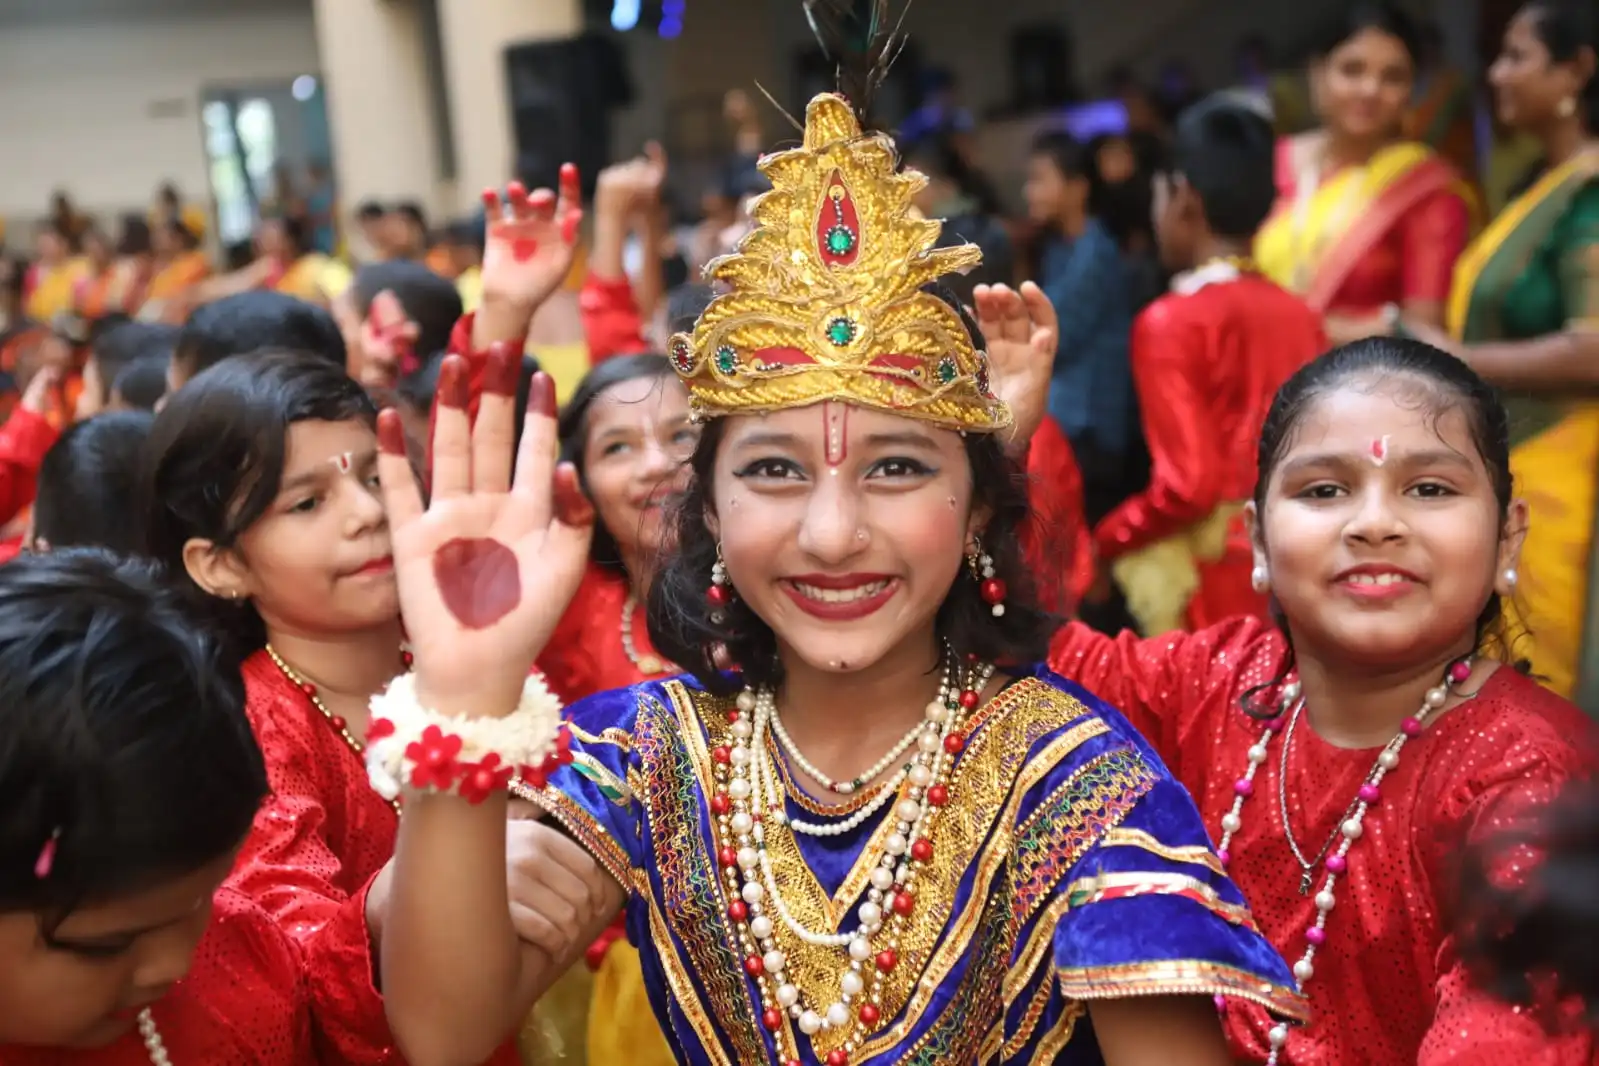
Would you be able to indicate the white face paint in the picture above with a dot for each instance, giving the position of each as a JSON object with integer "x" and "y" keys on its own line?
{"x": 1379, "y": 451}
{"x": 343, "y": 462}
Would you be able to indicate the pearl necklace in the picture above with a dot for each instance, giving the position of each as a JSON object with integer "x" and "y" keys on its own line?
{"x": 890, "y": 901}
{"x": 154, "y": 1046}
{"x": 340, "y": 726}
{"x": 1350, "y": 827}
{"x": 648, "y": 665}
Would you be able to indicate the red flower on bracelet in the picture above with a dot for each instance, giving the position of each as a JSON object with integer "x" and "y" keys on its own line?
{"x": 482, "y": 779}
{"x": 434, "y": 755}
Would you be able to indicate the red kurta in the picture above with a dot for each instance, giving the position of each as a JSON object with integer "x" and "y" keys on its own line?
{"x": 1207, "y": 359}
{"x": 585, "y": 655}
{"x": 1390, "y": 988}
{"x": 317, "y": 843}
{"x": 253, "y": 996}
{"x": 1055, "y": 539}
{"x": 24, "y": 438}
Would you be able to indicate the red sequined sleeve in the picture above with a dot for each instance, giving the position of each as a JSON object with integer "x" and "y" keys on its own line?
{"x": 1055, "y": 540}
{"x": 1432, "y": 236}
{"x": 1172, "y": 686}
{"x": 1187, "y": 471}
{"x": 611, "y": 322}
{"x": 1533, "y": 756}
{"x": 24, "y": 438}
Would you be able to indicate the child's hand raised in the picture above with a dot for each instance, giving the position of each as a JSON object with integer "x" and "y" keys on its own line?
{"x": 1021, "y": 330}
{"x": 530, "y": 243}
{"x": 487, "y": 568}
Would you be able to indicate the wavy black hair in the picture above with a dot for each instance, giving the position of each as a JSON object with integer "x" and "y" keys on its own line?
{"x": 1384, "y": 16}
{"x": 123, "y": 735}
{"x": 680, "y": 623}
{"x": 1566, "y": 27}
{"x": 573, "y": 429}
{"x": 214, "y": 461}
{"x": 1454, "y": 385}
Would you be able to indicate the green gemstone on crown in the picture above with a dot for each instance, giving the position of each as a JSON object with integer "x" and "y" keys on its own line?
{"x": 726, "y": 359}
{"x": 841, "y": 331}
{"x": 946, "y": 370}
{"x": 840, "y": 239}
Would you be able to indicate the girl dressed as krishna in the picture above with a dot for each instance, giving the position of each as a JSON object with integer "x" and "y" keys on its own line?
{"x": 883, "y": 836}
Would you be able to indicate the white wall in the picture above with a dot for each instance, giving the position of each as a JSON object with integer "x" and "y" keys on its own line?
{"x": 110, "y": 109}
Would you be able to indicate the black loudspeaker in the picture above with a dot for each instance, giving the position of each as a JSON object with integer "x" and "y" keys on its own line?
{"x": 1042, "y": 68}
{"x": 561, "y": 95}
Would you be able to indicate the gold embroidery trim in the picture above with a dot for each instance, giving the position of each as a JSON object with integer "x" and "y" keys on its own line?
{"x": 1161, "y": 884}
{"x": 1179, "y": 977}
{"x": 611, "y": 735}
{"x": 594, "y": 837}
{"x": 1192, "y": 854}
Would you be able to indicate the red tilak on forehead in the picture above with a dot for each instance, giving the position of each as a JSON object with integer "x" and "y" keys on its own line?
{"x": 835, "y": 427}
{"x": 1379, "y": 451}
{"x": 343, "y": 462}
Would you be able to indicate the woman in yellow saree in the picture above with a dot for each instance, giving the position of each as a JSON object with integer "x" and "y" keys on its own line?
{"x": 1525, "y": 314}
{"x": 180, "y": 265}
{"x": 1365, "y": 219}
{"x": 50, "y": 282}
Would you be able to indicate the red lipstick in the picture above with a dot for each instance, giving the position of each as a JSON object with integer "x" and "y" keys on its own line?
{"x": 853, "y": 596}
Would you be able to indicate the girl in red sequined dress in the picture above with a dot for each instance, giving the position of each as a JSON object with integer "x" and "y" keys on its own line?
{"x": 1345, "y": 761}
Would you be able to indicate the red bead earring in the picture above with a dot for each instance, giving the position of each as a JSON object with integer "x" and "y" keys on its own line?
{"x": 991, "y": 588}
{"x": 720, "y": 594}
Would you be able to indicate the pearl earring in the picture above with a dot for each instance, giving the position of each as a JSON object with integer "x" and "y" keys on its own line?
{"x": 1260, "y": 579}
{"x": 719, "y": 596}
{"x": 1510, "y": 577}
{"x": 991, "y": 588}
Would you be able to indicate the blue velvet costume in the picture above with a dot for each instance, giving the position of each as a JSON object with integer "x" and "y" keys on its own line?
{"x": 1068, "y": 866}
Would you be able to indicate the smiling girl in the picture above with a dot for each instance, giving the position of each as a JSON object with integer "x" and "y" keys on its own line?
{"x": 1345, "y": 760}
{"x": 885, "y": 837}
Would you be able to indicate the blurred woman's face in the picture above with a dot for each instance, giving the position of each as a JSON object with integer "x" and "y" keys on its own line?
{"x": 1051, "y": 195}
{"x": 1529, "y": 86}
{"x": 639, "y": 440}
{"x": 49, "y": 247}
{"x": 270, "y": 240}
{"x": 1363, "y": 86}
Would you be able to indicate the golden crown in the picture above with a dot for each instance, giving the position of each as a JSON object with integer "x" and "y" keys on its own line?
{"x": 825, "y": 297}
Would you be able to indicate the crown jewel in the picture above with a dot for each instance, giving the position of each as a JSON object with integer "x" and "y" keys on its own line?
{"x": 825, "y": 297}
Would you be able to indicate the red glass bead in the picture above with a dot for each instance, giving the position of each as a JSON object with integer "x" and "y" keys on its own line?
{"x": 870, "y": 1015}
{"x": 993, "y": 590}
{"x": 720, "y": 803}
{"x": 722, "y": 754}
{"x": 717, "y": 596}
{"x": 407, "y": 658}
{"x": 954, "y": 743}
{"x": 754, "y": 966}
{"x": 728, "y": 857}
{"x": 887, "y": 960}
{"x": 938, "y": 795}
{"x": 308, "y": 688}
{"x": 904, "y": 902}
{"x": 738, "y": 910}
{"x": 922, "y": 850}
{"x": 970, "y": 700}
{"x": 339, "y": 723}
{"x": 772, "y": 1019}
{"x": 734, "y": 715}
{"x": 837, "y": 1057}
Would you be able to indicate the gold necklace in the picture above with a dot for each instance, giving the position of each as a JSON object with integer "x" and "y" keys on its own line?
{"x": 648, "y": 665}
{"x": 340, "y": 726}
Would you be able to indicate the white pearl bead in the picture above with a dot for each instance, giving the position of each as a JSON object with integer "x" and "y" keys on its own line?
{"x": 741, "y": 756}
{"x": 1291, "y": 691}
{"x": 741, "y": 822}
{"x": 1278, "y": 1035}
{"x": 738, "y": 788}
{"x": 1388, "y": 759}
{"x": 838, "y": 1015}
{"x": 747, "y": 858}
{"x": 896, "y": 844}
{"x": 908, "y": 810}
{"x": 810, "y": 1023}
{"x": 752, "y": 892}
{"x": 1304, "y": 971}
{"x": 1352, "y": 829}
{"x": 936, "y": 712}
{"x": 787, "y": 995}
{"x": 742, "y": 729}
{"x": 761, "y": 926}
{"x": 928, "y": 742}
{"x": 860, "y": 949}
{"x": 999, "y": 610}
{"x": 775, "y": 961}
{"x": 1325, "y": 901}
{"x": 1257, "y": 754}
{"x": 852, "y": 983}
{"x": 746, "y": 700}
{"x": 882, "y": 878}
{"x": 871, "y": 914}
{"x": 920, "y": 775}
{"x": 1437, "y": 696}
{"x": 1231, "y": 822}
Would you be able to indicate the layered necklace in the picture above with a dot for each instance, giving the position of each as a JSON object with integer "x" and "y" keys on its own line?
{"x": 749, "y": 804}
{"x": 1332, "y": 860}
{"x": 340, "y": 726}
{"x": 154, "y": 1046}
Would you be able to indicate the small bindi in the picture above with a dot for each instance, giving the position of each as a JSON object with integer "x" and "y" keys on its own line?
{"x": 835, "y": 429}
{"x": 1379, "y": 451}
{"x": 344, "y": 462}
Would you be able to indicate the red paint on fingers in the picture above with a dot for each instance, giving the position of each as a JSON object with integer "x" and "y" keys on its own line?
{"x": 391, "y": 432}
{"x": 479, "y": 580}
{"x": 541, "y": 395}
{"x": 571, "y": 186}
{"x": 491, "y": 202}
{"x": 454, "y": 388}
{"x": 570, "y": 223}
{"x": 572, "y": 508}
{"x": 502, "y": 370}
{"x": 516, "y": 192}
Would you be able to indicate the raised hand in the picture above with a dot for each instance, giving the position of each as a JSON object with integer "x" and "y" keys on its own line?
{"x": 487, "y": 568}
{"x": 1021, "y": 331}
{"x": 625, "y": 187}
{"x": 530, "y": 243}
{"x": 37, "y": 397}
{"x": 388, "y": 343}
